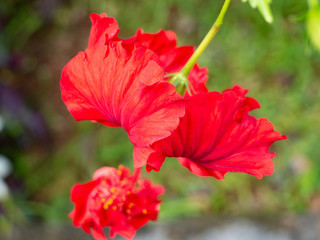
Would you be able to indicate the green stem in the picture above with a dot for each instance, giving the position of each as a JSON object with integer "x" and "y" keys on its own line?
{"x": 207, "y": 39}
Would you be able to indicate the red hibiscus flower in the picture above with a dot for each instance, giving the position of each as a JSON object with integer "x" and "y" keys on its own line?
{"x": 217, "y": 135}
{"x": 164, "y": 43}
{"x": 115, "y": 199}
{"x": 116, "y": 87}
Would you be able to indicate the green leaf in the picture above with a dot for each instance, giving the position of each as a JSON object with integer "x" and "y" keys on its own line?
{"x": 313, "y": 25}
{"x": 264, "y": 8}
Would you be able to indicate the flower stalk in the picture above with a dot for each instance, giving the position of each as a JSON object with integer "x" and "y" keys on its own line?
{"x": 207, "y": 39}
{"x": 180, "y": 79}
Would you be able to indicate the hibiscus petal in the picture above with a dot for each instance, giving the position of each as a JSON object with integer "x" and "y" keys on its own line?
{"x": 112, "y": 86}
{"x": 197, "y": 79}
{"x": 217, "y": 135}
{"x": 103, "y": 29}
{"x": 97, "y": 233}
{"x": 125, "y": 230}
{"x": 160, "y": 42}
{"x": 79, "y": 195}
{"x": 109, "y": 172}
{"x": 200, "y": 171}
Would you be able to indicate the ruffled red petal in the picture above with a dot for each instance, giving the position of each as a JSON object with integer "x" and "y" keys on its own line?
{"x": 197, "y": 79}
{"x": 103, "y": 29}
{"x": 160, "y": 42}
{"x": 200, "y": 171}
{"x": 79, "y": 195}
{"x": 164, "y": 43}
{"x": 125, "y": 230}
{"x": 217, "y": 136}
{"x": 112, "y": 86}
{"x": 97, "y": 233}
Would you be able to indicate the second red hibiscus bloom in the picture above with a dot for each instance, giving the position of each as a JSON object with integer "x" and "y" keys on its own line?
{"x": 115, "y": 199}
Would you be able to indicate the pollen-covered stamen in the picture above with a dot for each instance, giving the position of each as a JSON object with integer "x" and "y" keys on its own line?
{"x": 115, "y": 190}
{"x": 110, "y": 201}
{"x": 112, "y": 198}
{"x": 115, "y": 203}
{"x": 106, "y": 206}
{"x": 130, "y": 207}
{"x": 107, "y": 203}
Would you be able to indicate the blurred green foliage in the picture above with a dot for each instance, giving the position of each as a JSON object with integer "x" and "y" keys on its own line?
{"x": 275, "y": 61}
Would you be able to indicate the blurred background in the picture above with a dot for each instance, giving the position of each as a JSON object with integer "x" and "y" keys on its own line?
{"x": 44, "y": 151}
